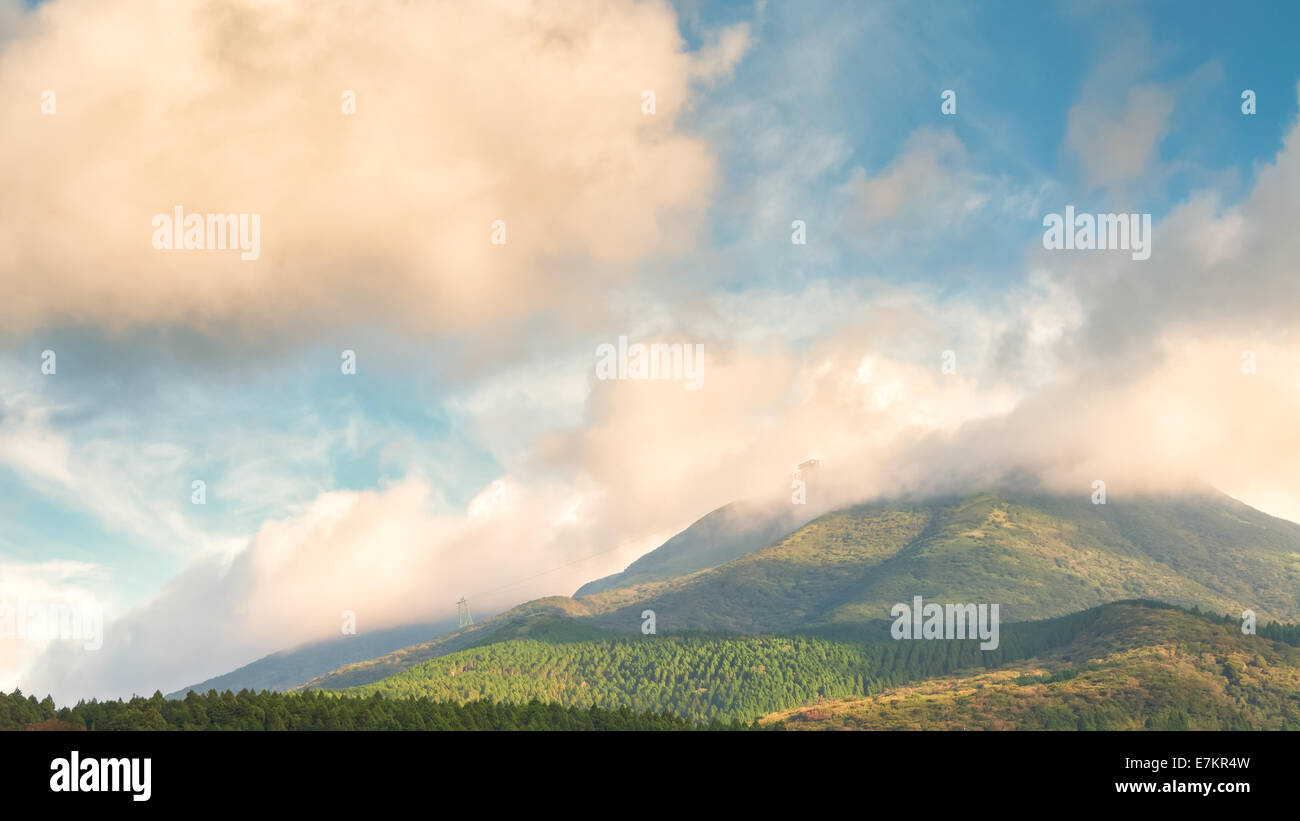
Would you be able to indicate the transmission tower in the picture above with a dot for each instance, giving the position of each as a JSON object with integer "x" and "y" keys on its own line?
{"x": 462, "y": 610}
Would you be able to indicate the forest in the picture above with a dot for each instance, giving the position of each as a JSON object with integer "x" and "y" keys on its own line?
{"x": 713, "y": 676}
{"x": 312, "y": 710}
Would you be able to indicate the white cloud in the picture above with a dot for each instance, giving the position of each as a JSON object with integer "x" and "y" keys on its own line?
{"x": 30, "y": 587}
{"x": 1118, "y": 146}
{"x": 386, "y": 555}
{"x": 466, "y": 113}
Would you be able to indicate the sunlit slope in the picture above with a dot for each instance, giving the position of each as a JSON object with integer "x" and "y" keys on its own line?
{"x": 1133, "y": 670}
{"x": 1036, "y": 556}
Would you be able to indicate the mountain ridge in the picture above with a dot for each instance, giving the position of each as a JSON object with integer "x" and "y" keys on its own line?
{"x": 286, "y": 669}
{"x": 1036, "y": 554}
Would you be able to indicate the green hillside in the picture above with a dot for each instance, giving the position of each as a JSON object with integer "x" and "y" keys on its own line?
{"x": 1162, "y": 670}
{"x": 706, "y": 677}
{"x": 1035, "y": 555}
{"x": 515, "y": 622}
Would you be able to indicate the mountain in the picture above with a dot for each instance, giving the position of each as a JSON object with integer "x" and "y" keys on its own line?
{"x": 730, "y": 531}
{"x": 1035, "y": 555}
{"x": 287, "y": 669}
{"x": 1129, "y": 665}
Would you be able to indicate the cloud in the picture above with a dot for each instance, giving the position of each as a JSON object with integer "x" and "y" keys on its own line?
{"x": 117, "y": 482}
{"x": 1217, "y": 269}
{"x": 29, "y": 588}
{"x": 926, "y": 194}
{"x": 726, "y": 48}
{"x": 929, "y": 179}
{"x": 1117, "y": 146}
{"x": 465, "y": 114}
{"x": 386, "y": 555}
{"x": 132, "y": 469}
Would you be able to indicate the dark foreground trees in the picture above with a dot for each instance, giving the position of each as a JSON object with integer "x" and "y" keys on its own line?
{"x": 311, "y": 710}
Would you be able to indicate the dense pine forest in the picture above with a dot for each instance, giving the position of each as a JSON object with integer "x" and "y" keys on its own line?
{"x": 318, "y": 711}
{"x": 708, "y": 676}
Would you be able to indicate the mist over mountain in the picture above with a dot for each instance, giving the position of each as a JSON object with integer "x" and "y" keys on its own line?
{"x": 722, "y": 535}
{"x": 286, "y": 669}
{"x": 1036, "y": 555}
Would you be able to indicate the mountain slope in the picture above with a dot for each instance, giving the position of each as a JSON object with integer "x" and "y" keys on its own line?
{"x": 1035, "y": 555}
{"x": 1157, "y": 670}
{"x": 287, "y": 669}
{"x": 730, "y": 531}
{"x": 1122, "y": 666}
{"x": 512, "y": 623}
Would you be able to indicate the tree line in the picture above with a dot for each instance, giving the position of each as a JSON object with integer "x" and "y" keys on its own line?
{"x": 313, "y": 710}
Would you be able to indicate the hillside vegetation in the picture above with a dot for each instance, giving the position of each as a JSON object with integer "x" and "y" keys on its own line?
{"x": 1168, "y": 670}
{"x": 1037, "y": 556}
{"x": 705, "y": 677}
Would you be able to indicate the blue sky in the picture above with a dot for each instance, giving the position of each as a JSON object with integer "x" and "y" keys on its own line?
{"x": 474, "y": 446}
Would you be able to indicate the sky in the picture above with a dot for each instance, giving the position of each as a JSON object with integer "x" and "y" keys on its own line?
{"x": 398, "y": 401}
